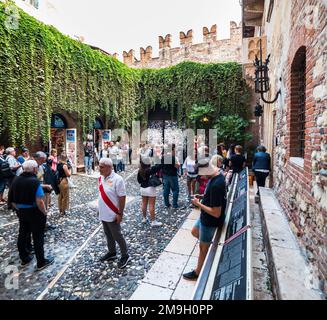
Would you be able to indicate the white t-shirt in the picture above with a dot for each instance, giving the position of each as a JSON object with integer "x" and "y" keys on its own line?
{"x": 105, "y": 153}
{"x": 13, "y": 162}
{"x": 189, "y": 165}
{"x": 113, "y": 152}
{"x": 114, "y": 187}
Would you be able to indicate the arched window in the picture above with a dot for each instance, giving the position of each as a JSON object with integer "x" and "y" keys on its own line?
{"x": 298, "y": 98}
{"x": 58, "y": 121}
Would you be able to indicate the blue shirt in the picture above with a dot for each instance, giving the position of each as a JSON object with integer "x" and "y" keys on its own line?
{"x": 21, "y": 159}
{"x": 39, "y": 194}
{"x": 261, "y": 161}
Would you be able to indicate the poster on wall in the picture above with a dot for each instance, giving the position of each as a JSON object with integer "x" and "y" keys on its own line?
{"x": 106, "y": 137}
{"x": 71, "y": 147}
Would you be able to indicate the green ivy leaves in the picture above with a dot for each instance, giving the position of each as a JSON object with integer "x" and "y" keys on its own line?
{"x": 44, "y": 72}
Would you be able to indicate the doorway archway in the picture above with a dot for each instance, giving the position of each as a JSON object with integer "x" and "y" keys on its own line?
{"x": 58, "y": 132}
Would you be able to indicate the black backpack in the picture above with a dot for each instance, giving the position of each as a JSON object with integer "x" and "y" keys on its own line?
{"x": 50, "y": 177}
{"x": 5, "y": 171}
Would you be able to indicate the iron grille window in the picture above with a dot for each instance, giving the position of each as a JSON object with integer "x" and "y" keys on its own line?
{"x": 298, "y": 107}
{"x": 301, "y": 112}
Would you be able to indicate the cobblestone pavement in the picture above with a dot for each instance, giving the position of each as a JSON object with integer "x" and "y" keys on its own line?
{"x": 78, "y": 242}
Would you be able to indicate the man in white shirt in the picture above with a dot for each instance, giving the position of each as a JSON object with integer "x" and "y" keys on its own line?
{"x": 14, "y": 165}
{"x": 112, "y": 199}
{"x": 104, "y": 152}
{"x": 113, "y": 152}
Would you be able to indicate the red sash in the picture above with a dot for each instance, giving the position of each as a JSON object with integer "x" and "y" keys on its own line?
{"x": 106, "y": 199}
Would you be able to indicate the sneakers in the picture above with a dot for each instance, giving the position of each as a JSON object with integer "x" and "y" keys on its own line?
{"x": 155, "y": 223}
{"x": 123, "y": 262}
{"x": 26, "y": 261}
{"x": 46, "y": 263}
{"x": 109, "y": 256}
{"x": 144, "y": 220}
{"x": 190, "y": 275}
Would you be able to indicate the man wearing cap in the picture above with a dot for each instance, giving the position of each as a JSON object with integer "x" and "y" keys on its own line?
{"x": 24, "y": 156}
{"x": 26, "y": 196}
{"x": 212, "y": 207}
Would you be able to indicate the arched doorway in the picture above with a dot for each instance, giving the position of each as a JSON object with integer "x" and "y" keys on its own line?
{"x": 97, "y": 133}
{"x": 158, "y": 120}
{"x": 58, "y": 133}
{"x": 163, "y": 129}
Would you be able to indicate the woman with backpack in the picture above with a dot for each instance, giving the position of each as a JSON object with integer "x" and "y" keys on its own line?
{"x": 148, "y": 180}
{"x": 64, "y": 173}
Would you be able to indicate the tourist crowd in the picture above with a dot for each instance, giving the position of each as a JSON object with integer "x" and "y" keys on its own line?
{"x": 32, "y": 179}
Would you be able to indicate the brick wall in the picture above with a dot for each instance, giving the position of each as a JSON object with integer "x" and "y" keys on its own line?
{"x": 301, "y": 184}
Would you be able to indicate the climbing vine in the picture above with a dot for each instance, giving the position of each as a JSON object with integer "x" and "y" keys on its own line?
{"x": 44, "y": 72}
{"x": 187, "y": 84}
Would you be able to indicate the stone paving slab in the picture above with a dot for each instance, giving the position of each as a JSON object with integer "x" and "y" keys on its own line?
{"x": 185, "y": 288}
{"x": 194, "y": 215}
{"x": 182, "y": 243}
{"x": 167, "y": 270}
{"x": 188, "y": 224}
{"x": 279, "y": 232}
{"x": 287, "y": 264}
{"x": 148, "y": 291}
{"x": 293, "y": 275}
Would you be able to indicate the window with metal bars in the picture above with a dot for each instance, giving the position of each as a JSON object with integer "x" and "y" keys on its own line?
{"x": 301, "y": 113}
{"x": 298, "y": 100}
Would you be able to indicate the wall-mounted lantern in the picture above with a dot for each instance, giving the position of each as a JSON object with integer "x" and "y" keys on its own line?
{"x": 262, "y": 84}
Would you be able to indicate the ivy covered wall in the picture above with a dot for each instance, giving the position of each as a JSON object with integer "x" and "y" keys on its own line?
{"x": 42, "y": 72}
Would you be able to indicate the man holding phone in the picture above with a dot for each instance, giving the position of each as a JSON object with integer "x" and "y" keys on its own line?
{"x": 212, "y": 205}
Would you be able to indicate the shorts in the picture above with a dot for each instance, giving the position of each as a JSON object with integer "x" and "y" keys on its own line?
{"x": 191, "y": 177}
{"x": 205, "y": 233}
{"x": 149, "y": 192}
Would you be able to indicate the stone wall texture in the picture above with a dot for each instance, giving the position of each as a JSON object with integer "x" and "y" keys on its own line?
{"x": 300, "y": 183}
{"x": 210, "y": 50}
